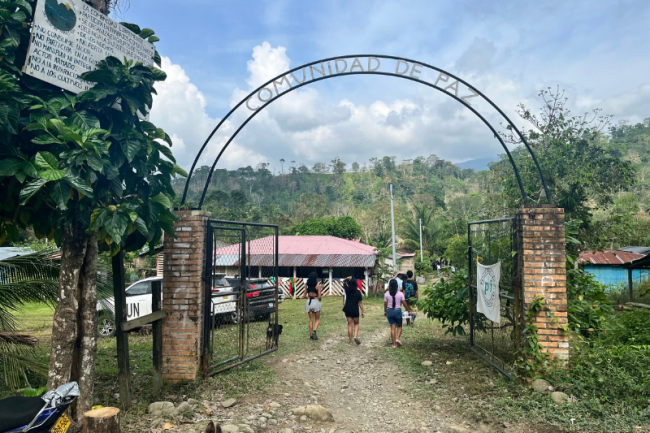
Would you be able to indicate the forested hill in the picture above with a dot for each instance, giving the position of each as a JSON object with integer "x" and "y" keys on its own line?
{"x": 335, "y": 189}
{"x": 435, "y": 190}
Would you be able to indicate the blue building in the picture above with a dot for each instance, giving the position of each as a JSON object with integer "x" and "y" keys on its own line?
{"x": 608, "y": 266}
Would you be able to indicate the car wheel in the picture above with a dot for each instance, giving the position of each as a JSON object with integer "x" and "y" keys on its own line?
{"x": 105, "y": 327}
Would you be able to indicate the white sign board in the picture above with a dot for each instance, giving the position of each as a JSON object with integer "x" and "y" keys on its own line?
{"x": 69, "y": 38}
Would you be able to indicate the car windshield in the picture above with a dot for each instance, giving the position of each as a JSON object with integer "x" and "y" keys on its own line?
{"x": 219, "y": 282}
{"x": 138, "y": 289}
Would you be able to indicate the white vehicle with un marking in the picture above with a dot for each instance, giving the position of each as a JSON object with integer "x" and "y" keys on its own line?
{"x": 139, "y": 303}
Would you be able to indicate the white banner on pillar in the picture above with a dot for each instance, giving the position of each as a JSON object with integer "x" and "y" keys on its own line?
{"x": 487, "y": 288}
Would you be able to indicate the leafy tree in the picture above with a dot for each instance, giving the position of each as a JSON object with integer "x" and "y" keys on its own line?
{"x": 85, "y": 174}
{"x": 344, "y": 227}
{"x": 432, "y": 227}
{"x": 577, "y": 167}
{"x": 320, "y": 168}
{"x": 456, "y": 251}
{"x": 338, "y": 166}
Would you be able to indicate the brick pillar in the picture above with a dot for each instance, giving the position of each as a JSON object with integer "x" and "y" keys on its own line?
{"x": 542, "y": 263}
{"x": 183, "y": 296}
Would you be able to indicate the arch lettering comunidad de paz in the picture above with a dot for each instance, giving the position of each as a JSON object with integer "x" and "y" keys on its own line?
{"x": 366, "y": 64}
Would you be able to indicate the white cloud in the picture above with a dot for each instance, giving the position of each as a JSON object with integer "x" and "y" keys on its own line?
{"x": 268, "y": 62}
{"x": 180, "y": 109}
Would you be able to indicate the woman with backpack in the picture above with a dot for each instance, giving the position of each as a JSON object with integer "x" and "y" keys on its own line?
{"x": 393, "y": 301}
{"x": 313, "y": 305}
{"x": 352, "y": 302}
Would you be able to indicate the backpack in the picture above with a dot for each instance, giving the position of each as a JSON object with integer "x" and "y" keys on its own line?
{"x": 409, "y": 290}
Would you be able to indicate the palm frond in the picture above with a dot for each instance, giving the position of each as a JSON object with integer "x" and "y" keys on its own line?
{"x": 25, "y": 279}
{"x": 20, "y": 339}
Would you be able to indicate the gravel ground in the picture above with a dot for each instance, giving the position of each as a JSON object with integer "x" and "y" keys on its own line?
{"x": 364, "y": 391}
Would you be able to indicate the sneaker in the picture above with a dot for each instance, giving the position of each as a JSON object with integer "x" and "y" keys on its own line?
{"x": 356, "y": 340}
{"x": 314, "y": 336}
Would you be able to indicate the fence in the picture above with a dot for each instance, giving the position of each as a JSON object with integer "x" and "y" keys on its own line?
{"x": 490, "y": 242}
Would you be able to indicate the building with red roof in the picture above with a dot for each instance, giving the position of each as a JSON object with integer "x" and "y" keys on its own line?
{"x": 332, "y": 258}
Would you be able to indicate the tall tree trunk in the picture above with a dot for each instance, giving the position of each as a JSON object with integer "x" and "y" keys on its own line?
{"x": 65, "y": 326}
{"x": 74, "y": 345}
{"x": 87, "y": 329}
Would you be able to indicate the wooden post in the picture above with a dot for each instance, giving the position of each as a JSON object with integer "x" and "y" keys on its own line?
{"x": 103, "y": 420}
{"x": 367, "y": 283}
{"x": 331, "y": 287}
{"x": 630, "y": 284}
{"x": 156, "y": 305}
{"x": 121, "y": 336}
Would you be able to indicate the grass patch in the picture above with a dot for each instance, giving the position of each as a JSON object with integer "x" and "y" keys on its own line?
{"x": 460, "y": 378}
{"x": 36, "y": 319}
{"x": 253, "y": 377}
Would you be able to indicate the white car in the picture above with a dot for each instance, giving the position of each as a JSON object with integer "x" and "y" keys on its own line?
{"x": 139, "y": 303}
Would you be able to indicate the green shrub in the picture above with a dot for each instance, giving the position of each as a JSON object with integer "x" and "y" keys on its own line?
{"x": 628, "y": 327}
{"x": 607, "y": 374}
{"x": 448, "y": 302}
{"x": 588, "y": 306}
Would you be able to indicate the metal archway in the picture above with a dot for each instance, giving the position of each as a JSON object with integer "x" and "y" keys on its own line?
{"x": 411, "y": 65}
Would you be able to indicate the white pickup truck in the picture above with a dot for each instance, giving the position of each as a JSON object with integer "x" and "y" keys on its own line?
{"x": 139, "y": 303}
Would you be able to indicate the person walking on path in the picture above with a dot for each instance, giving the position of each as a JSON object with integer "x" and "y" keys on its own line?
{"x": 411, "y": 293}
{"x": 313, "y": 305}
{"x": 395, "y": 299}
{"x": 352, "y": 302}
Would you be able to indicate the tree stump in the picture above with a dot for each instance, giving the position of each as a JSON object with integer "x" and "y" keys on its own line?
{"x": 103, "y": 420}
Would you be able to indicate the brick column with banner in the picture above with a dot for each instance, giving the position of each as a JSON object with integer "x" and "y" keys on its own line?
{"x": 542, "y": 263}
{"x": 183, "y": 289}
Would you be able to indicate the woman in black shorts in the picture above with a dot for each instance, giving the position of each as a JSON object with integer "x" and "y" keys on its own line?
{"x": 351, "y": 304}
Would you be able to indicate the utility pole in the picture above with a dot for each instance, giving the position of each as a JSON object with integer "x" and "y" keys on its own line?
{"x": 421, "y": 254}
{"x": 392, "y": 222}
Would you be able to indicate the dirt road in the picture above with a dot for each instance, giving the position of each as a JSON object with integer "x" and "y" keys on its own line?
{"x": 365, "y": 391}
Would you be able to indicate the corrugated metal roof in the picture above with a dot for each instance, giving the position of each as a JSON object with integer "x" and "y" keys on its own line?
{"x": 8, "y": 252}
{"x": 312, "y": 251}
{"x": 608, "y": 257}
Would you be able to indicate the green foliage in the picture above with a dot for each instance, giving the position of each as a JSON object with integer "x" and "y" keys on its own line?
{"x": 423, "y": 266}
{"x": 448, "y": 302}
{"x": 76, "y": 157}
{"x": 432, "y": 228}
{"x": 532, "y": 361}
{"x": 577, "y": 166}
{"x": 344, "y": 227}
{"x": 588, "y": 307}
{"x": 629, "y": 327}
{"x": 34, "y": 392}
{"x": 456, "y": 251}
{"x": 608, "y": 374}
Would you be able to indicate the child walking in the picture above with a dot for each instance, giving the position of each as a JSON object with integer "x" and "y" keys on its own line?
{"x": 313, "y": 305}
{"x": 351, "y": 305}
{"x": 395, "y": 299}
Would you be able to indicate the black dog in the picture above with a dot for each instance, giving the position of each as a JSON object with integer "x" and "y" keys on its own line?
{"x": 272, "y": 334}
{"x": 211, "y": 428}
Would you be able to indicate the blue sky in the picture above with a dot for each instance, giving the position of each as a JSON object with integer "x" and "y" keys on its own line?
{"x": 217, "y": 51}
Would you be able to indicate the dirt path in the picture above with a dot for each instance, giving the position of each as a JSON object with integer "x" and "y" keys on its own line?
{"x": 365, "y": 391}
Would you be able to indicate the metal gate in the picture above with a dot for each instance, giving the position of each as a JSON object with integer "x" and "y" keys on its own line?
{"x": 489, "y": 242}
{"x": 241, "y": 294}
